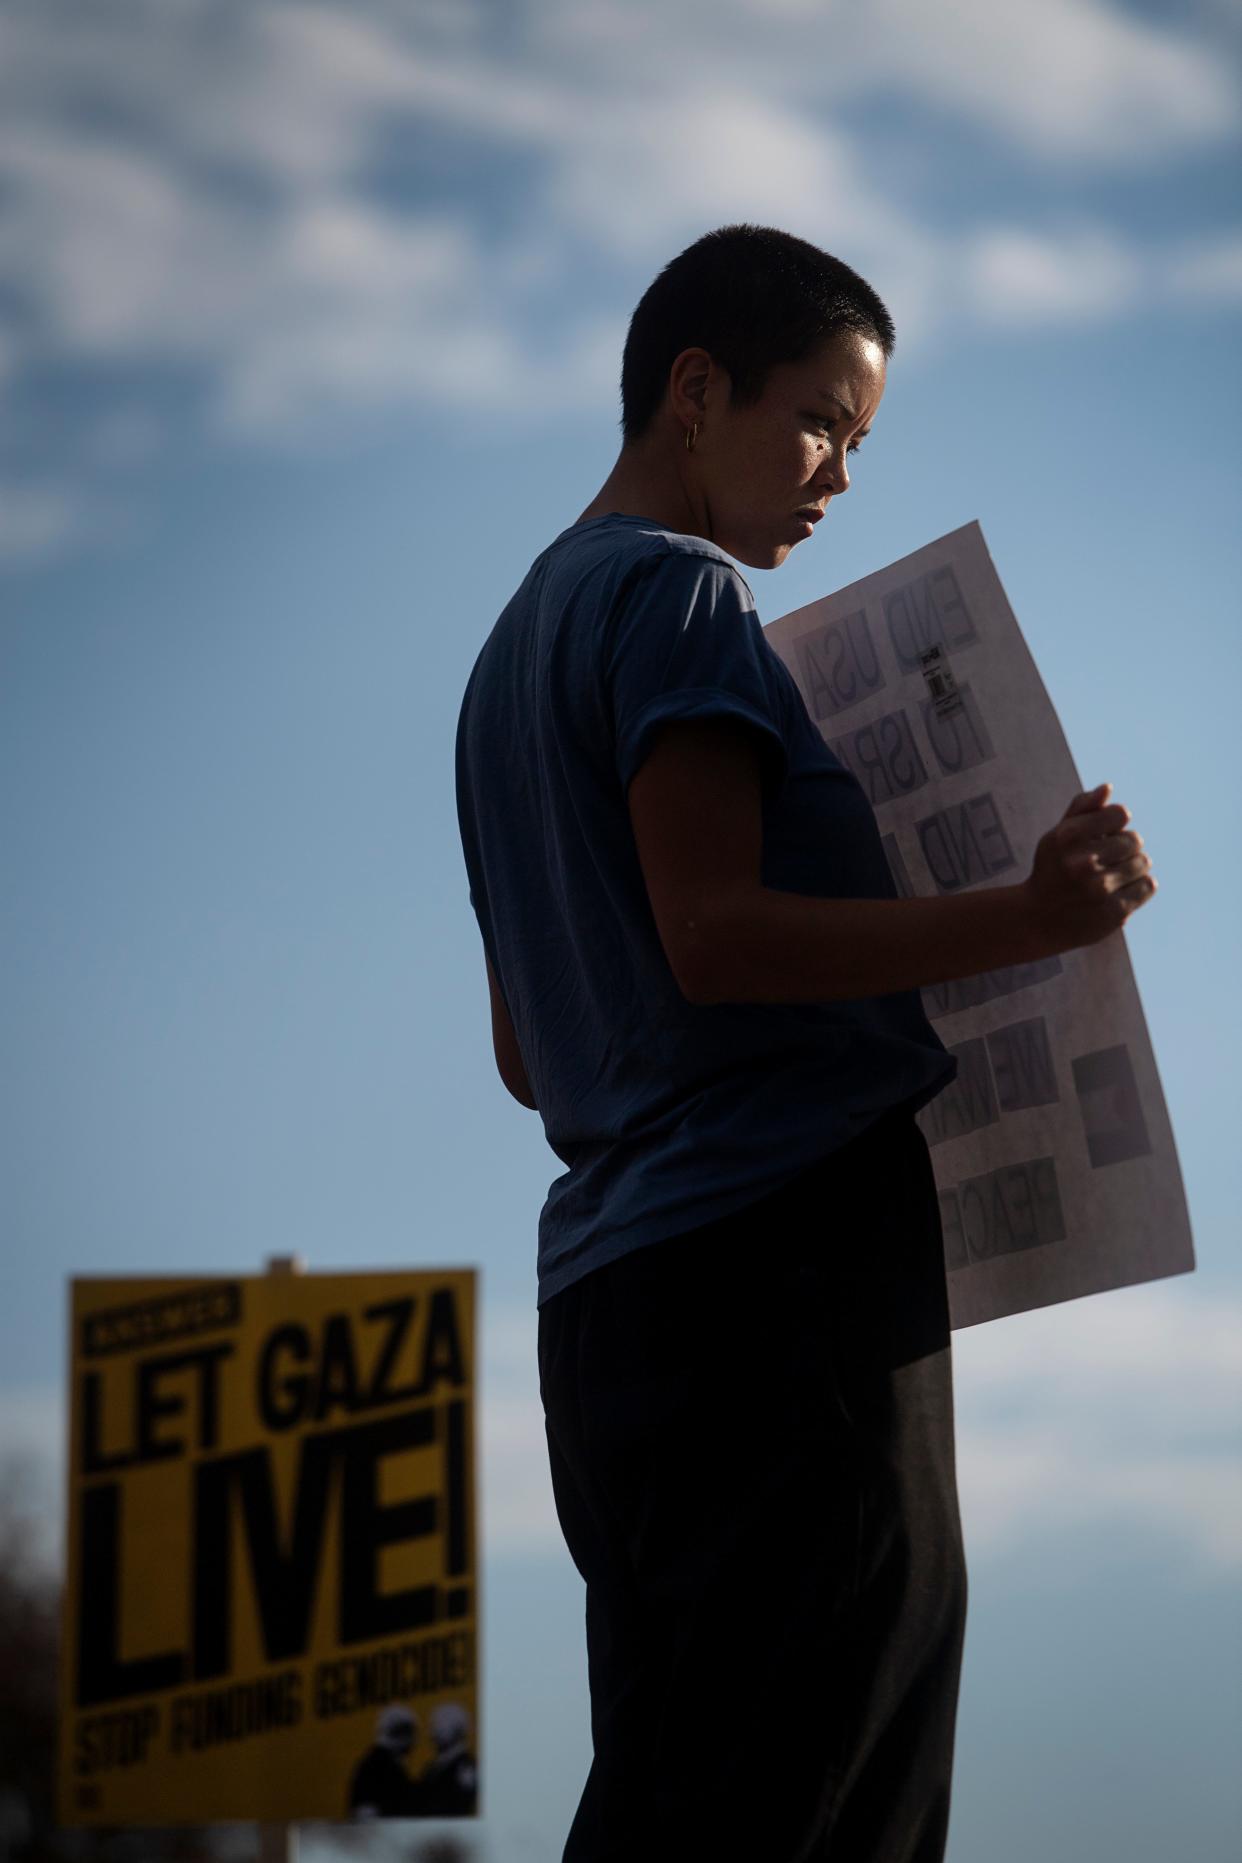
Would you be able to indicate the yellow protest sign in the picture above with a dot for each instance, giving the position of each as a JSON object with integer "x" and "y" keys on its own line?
{"x": 272, "y": 1599}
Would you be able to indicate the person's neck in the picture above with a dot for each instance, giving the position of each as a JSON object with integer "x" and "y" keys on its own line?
{"x": 646, "y": 483}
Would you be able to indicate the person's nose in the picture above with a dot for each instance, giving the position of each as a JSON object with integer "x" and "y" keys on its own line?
{"x": 833, "y": 476}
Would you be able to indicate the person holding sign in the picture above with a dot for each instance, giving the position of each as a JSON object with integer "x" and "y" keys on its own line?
{"x": 702, "y": 979}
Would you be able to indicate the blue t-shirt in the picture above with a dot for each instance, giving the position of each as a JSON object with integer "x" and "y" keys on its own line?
{"x": 666, "y": 1114}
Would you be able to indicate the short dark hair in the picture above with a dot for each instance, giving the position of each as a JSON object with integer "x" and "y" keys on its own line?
{"x": 752, "y": 297}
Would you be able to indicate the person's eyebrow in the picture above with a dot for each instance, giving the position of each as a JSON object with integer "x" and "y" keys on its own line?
{"x": 826, "y": 394}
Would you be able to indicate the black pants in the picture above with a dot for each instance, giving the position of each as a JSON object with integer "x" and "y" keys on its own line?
{"x": 751, "y": 1435}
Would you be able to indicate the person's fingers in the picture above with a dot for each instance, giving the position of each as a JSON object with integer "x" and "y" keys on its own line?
{"x": 1089, "y": 799}
{"x": 1115, "y": 849}
{"x": 1120, "y": 877}
{"x": 1137, "y": 893}
{"x": 1071, "y": 830}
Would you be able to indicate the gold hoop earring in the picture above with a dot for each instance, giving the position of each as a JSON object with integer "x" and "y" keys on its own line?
{"x": 692, "y": 434}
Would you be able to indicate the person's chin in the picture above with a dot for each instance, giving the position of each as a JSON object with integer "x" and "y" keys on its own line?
{"x": 759, "y": 555}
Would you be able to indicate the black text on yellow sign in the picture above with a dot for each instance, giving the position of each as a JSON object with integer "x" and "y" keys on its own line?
{"x": 272, "y": 1601}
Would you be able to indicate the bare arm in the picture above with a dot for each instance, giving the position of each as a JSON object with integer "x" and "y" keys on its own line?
{"x": 509, "y": 1062}
{"x": 695, "y": 807}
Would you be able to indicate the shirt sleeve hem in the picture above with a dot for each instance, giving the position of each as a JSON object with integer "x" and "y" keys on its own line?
{"x": 694, "y": 702}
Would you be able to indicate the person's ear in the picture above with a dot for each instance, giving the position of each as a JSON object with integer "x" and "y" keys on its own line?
{"x": 689, "y": 384}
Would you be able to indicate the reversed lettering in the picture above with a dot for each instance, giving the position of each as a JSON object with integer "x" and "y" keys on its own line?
{"x": 1022, "y": 1065}
{"x": 883, "y": 756}
{"x": 967, "y": 1103}
{"x": 927, "y": 612}
{"x": 959, "y": 738}
{"x": 949, "y": 999}
{"x": 965, "y": 843}
{"x": 1016, "y": 1207}
{"x": 838, "y": 666}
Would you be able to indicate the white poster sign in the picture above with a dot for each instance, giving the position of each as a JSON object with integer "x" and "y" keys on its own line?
{"x": 1053, "y": 1152}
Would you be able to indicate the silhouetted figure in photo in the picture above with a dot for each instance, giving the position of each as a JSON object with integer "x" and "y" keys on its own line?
{"x": 450, "y": 1786}
{"x": 704, "y": 980}
{"x": 381, "y": 1787}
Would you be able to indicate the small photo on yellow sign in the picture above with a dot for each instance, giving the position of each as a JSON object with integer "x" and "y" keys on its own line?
{"x": 272, "y": 1604}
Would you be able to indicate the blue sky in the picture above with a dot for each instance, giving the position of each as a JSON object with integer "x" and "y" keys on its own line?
{"x": 310, "y": 322}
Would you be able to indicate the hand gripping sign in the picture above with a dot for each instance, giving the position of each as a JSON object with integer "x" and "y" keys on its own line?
{"x": 272, "y": 1601}
{"x": 1053, "y": 1154}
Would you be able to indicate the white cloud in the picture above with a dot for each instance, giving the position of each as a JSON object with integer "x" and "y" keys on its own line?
{"x": 1011, "y": 276}
{"x": 646, "y": 170}
{"x": 517, "y": 1506}
{"x": 331, "y": 305}
{"x": 32, "y": 1427}
{"x": 188, "y": 184}
{"x": 115, "y": 252}
{"x": 647, "y": 174}
{"x": 32, "y": 1461}
{"x": 1059, "y": 79}
{"x": 1064, "y": 78}
{"x": 1125, "y": 1409}
{"x": 357, "y": 308}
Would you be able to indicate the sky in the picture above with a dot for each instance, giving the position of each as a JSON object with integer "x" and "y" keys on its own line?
{"x": 310, "y": 326}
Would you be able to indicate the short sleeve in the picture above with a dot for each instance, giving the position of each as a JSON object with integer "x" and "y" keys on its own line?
{"x": 687, "y": 643}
